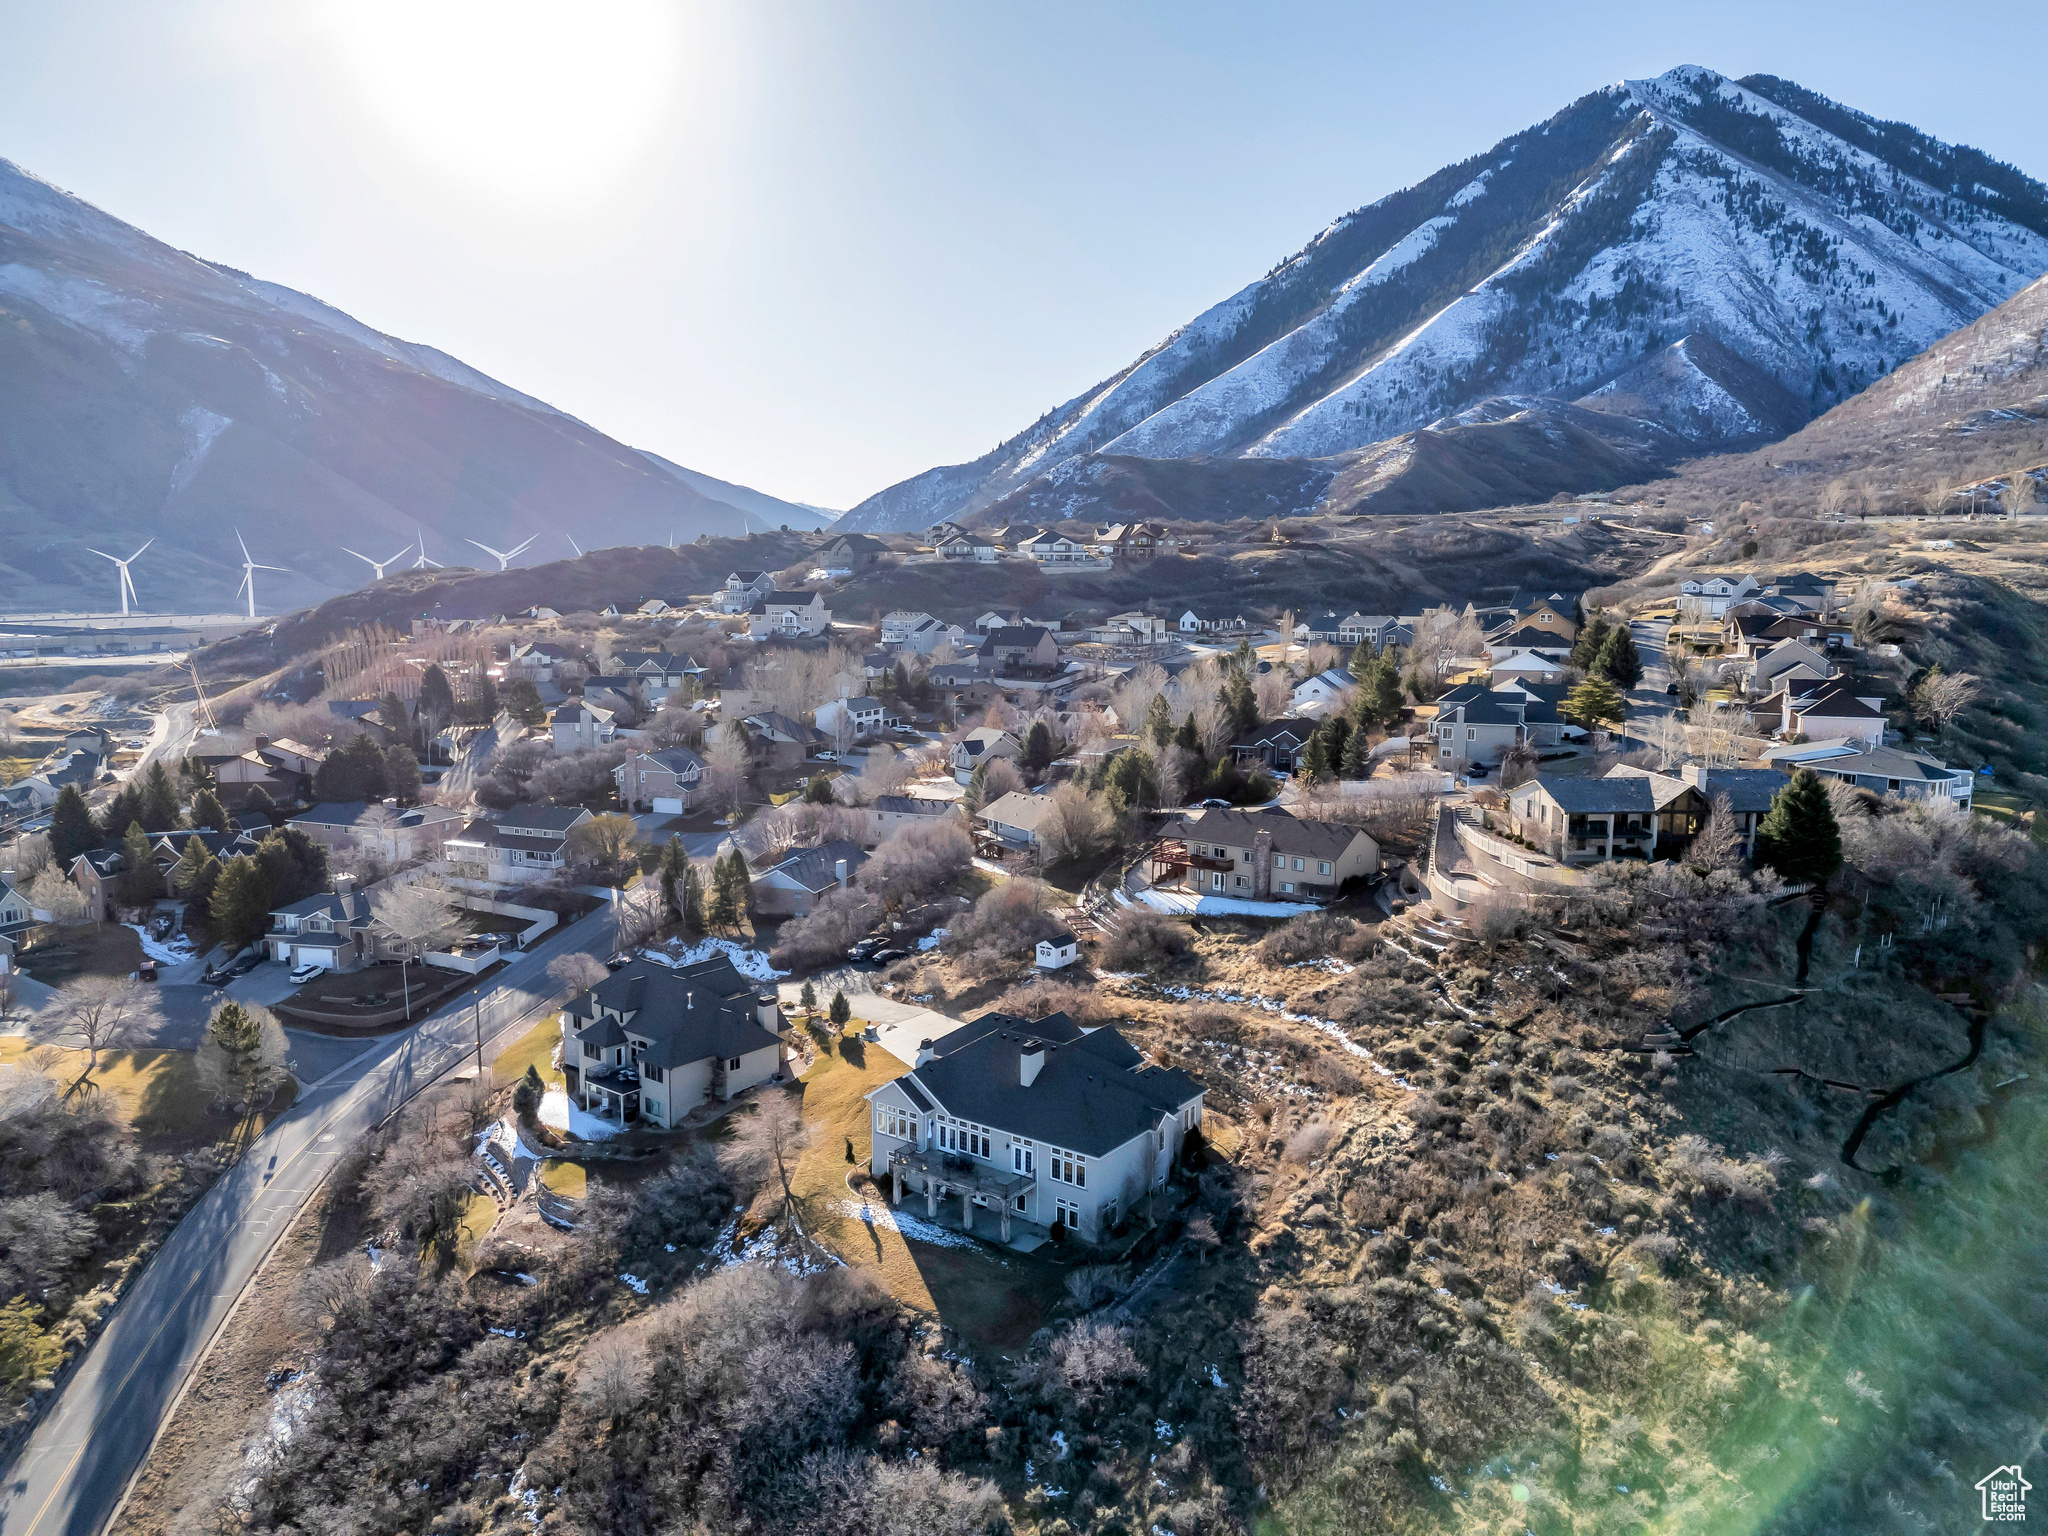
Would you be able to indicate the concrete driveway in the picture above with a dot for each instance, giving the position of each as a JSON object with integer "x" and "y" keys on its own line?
{"x": 898, "y": 1026}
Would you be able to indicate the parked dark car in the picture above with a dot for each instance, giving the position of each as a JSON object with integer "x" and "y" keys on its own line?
{"x": 245, "y": 965}
{"x": 618, "y": 962}
{"x": 146, "y": 970}
{"x": 1213, "y": 804}
{"x": 863, "y": 951}
{"x": 215, "y": 976}
{"x": 889, "y": 956}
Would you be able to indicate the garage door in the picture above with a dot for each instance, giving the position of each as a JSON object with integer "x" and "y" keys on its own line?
{"x": 670, "y": 804}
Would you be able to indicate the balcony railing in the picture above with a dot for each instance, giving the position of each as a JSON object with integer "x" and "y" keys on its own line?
{"x": 958, "y": 1173}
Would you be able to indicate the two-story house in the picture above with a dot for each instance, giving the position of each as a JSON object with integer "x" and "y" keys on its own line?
{"x": 515, "y": 847}
{"x": 94, "y": 873}
{"x": 851, "y": 720}
{"x": 1034, "y": 1121}
{"x": 1277, "y": 744}
{"x": 789, "y": 613}
{"x": 1016, "y": 817}
{"x": 393, "y": 833}
{"x": 1262, "y": 855}
{"x": 1324, "y": 692}
{"x": 1478, "y": 726}
{"x": 1365, "y": 629}
{"x": 657, "y": 674}
{"x": 898, "y": 623}
{"x": 330, "y": 930}
{"x": 852, "y": 551}
{"x": 743, "y": 589}
{"x": 1710, "y": 596}
{"x": 1021, "y": 649}
{"x": 649, "y": 1044}
{"x": 791, "y": 886}
{"x": 580, "y": 723}
{"x": 889, "y": 814}
{"x": 669, "y": 781}
{"x": 980, "y": 745}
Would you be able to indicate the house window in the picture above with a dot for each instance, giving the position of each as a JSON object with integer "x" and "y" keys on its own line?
{"x": 1023, "y": 1159}
{"x": 652, "y": 1074}
{"x": 591, "y": 1052}
{"x": 732, "y": 1064}
{"x": 1242, "y": 882}
{"x": 1106, "y": 1217}
{"x": 1297, "y": 864}
{"x": 899, "y": 1123}
{"x": 1322, "y": 866}
{"x": 1279, "y": 861}
{"x": 1069, "y": 1168}
{"x": 1023, "y": 1201}
{"x": 1471, "y": 733}
{"x": 959, "y": 1136}
{"x": 1287, "y": 887}
{"x": 1065, "y": 1213}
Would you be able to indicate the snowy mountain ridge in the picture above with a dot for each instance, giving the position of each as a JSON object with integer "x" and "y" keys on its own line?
{"x": 1815, "y": 246}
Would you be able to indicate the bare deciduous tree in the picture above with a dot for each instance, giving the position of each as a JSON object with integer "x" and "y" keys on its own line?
{"x": 1078, "y": 824}
{"x": 611, "y": 1377}
{"x": 1941, "y": 696}
{"x": 1835, "y": 497}
{"x": 417, "y": 916}
{"x": 95, "y": 1014}
{"x": 2019, "y": 494}
{"x": 768, "y": 1143}
{"x": 1718, "y": 844}
{"x": 577, "y": 971}
{"x": 1936, "y": 498}
{"x": 725, "y": 766}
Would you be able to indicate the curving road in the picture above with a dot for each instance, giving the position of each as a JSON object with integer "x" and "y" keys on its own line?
{"x": 70, "y": 1478}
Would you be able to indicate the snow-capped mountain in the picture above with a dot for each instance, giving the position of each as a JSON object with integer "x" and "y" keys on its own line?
{"x": 1803, "y": 247}
{"x": 145, "y": 393}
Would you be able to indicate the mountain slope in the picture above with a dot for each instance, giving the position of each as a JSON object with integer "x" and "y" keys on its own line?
{"x": 145, "y": 393}
{"x": 1812, "y": 246}
{"x": 759, "y": 507}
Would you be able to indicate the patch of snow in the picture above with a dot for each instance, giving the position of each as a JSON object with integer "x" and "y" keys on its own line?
{"x": 1216, "y": 1380}
{"x": 205, "y": 426}
{"x": 1162, "y": 1429}
{"x": 506, "y": 1333}
{"x": 634, "y": 1284}
{"x": 177, "y": 952}
{"x": 559, "y": 1112}
{"x": 908, "y": 1225}
{"x": 1059, "y": 1441}
{"x": 935, "y": 938}
{"x": 750, "y": 963}
{"x": 1221, "y": 906}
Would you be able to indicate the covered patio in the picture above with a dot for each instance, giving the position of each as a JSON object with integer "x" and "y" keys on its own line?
{"x": 942, "y": 1175}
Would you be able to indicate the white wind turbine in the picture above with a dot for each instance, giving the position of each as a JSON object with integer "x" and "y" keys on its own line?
{"x": 378, "y": 565}
{"x": 423, "y": 560}
{"x": 127, "y": 581}
{"x": 504, "y": 557}
{"x": 249, "y": 570}
{"x": 574, "y": 545}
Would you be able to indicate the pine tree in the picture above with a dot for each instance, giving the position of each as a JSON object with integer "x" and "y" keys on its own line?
{"x": 901, "y": 678}
{"x": 1799, "y": 837}
{"x": 195, "y": 872}
{"x": 481, "y": 708}
{"x": 391, "y": 714}
{"x": 238, "y": 1039}
{"x": 1038, "y": 747}
{"x": 1337, "y": 731}
{"x": 1358, "y": 756}
{"x": 240, "y": 909}
{"x": 402, "y": 775}
{"x": 1131, "y": 780}
{"x": 1362, "y": 658}
{"x": 1618, "y": 660}
{"x": 260, "y": 806}
{"x": 692, "y": 900}
{"x": 809, "y": 998}
{"x": 523, "y": 704}
{"x": 819, "y": 791}
{"x": 1242, "y": 702}
{"x": 208, "y": 812}
{"x": 1383, "y": 692}
{"x": 1159, "y": 722}
{"x": 125, "y": 807}
{"x": 159, "y": 800}
{"x": 841, "y": 1010}
{"x": 1315, "y": 762}
{"x": 1189, "y": 737}
{"x": 1586, "y": 649}
{"x": 669, "y": 868}
{"x": 1593, "y": 701}
{"x": 72, "y": 831}
{"x": 139, "y": 883}
{"x": 436, "y": 701}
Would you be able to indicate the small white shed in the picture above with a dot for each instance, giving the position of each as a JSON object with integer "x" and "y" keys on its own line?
{"x": 1058, "y": 951}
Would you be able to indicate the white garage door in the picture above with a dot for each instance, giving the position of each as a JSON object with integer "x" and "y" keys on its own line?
{"x": 670, "y": 804}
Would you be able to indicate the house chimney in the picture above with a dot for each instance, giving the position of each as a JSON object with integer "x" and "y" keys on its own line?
{"x": 839, "y": 870}
{"x": 925, "y": 1054}
{"x": 1030, "y": 1061}
{"x": 344, "y": 886}
{"x": 261, "y": 743}
{"x": 767, "y": 1011}
{"x": 1695, "y": 775}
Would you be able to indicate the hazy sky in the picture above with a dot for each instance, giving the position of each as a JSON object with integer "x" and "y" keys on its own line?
{"x": 818, "y": 247}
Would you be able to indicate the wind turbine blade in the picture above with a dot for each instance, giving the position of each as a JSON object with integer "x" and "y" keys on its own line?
{"x": 364, "y": 558}
{"x": 243, "y": 542}
{"x": 522, "y": 549}
{"x": 104, "y": 555}
{"x": 145, "y": 544}
{"x": 573, "y": 544}
{"x": 255, "y": 567}
{"x": 395, "y": 558}
{"x": 495, "y": 554}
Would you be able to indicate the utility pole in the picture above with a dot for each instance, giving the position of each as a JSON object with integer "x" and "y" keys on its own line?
{"x": 477, "y": 1017}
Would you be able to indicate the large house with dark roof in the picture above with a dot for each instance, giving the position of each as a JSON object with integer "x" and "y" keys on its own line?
{"x": 650, "y": 1044}
{"x": 670, "y": 780}
{"x": 1262, "y": 855}
{"x": 1881, "y": 770}
{"x": 331, "y": 930}
{"x": 1275, "y": 744}
{"x": 518, "y": 847}
{"x": 792, "y": 885}
{"x": 1038, "y": 1121}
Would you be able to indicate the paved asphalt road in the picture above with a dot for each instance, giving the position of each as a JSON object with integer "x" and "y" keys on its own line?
{"x": 70, "y": 1478}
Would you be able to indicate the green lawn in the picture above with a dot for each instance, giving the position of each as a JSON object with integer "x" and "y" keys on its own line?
{"x": 535, "y": 1048}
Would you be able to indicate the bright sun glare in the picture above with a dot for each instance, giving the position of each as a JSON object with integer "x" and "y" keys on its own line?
{"x": 514, "y": 100}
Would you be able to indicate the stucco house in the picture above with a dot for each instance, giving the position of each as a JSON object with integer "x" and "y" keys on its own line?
{"x": 1476, "y": 725}
{"x": 1276, "y": 744}
{"x": 851, "y": 720}
{"x": 331, "y": 930}
{"x": 1324, "y": 692}
{"x": 580, "y": 723}
{"x": 650, "y": 1044}
{"x": 980, "y": 745}
{"x": 394, "y": 833}
{"x": 1881, "y": 770}
{"x": 1021, "y": 647}
{"x": 1016, "y": 817}
{"x": 1032, "y": 1121}
{"x": 789, "y": 613}
{"x": 1822, "y": 711}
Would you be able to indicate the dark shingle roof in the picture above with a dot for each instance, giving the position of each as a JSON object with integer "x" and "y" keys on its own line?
{"x": 1580, "y": 797}
{"x": 1291, "y": 834}
{"x": 816, "y": 869}
{"x": 912, "y": 805}
{"x": 1093, "y": 1093}
{"x": 688, "y": 1014}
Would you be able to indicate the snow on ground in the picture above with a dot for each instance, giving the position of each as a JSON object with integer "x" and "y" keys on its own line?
{"x": 1265, "y": 1004}
{"x": 934, "y": 939}
{"x": 750, "y": 963}
{"x": 177, "y": 952}
{"x": 562, "y": 1113}
{"x": 988, "y": 867}
{"x": 875, "y": 1213}
{"x": 1221, "y": 906}
{"x": 767, "y": 1246}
